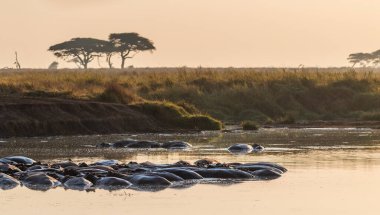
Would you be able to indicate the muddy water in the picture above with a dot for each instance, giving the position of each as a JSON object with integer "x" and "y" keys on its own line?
{"x": 331, "y": 171}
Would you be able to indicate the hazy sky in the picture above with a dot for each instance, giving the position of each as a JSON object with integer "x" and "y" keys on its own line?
{"x": 240, "y": 33}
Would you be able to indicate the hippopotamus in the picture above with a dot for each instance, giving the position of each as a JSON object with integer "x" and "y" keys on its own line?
{"x": 92, "y": 171}
{"x": 36, "y": 167}
{"x": 274, "y": 165}
{"x": 144, "y": 144}
{"x": 104, "y": 145}
{"x": 260, "y": 166}
{"x": 168, "y": 176}
{"x": 149, "y": 181}
{"x": 245, "y": 148}
{"x": 176, "y": 145}
{"x": 101, "y": 167}
{"x": 9, "y": 168}
{"x": 123, "y": 143}
{"x": 106, "y": 163}
{"x": 77, "y": 183}
{"x": 254, "y": 167}
{"x": 221, "y": 173}
{"x": 20, "y": 160}
{"x": 7, "y": 182}
{"x": 182, "y": 172}
{"x": 240, "y": 148}
{"x": 40, "y": 181}
{"x": 266, "y": 174}
{"x": 112, "y": 183}
{"x": 64, "y": 164}
{"x": 205, "y": 162}
{"x": 5, "y": 161}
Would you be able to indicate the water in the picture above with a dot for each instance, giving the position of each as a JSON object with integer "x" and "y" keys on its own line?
{"x": 331, "y": 171}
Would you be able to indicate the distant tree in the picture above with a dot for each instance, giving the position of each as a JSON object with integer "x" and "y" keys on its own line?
{"x": 128, "y": 45}
{"x": 109, "y": 49}
{"x": 376, "y": 57}
{"x": 79, "y": 50}
{"x": 53, "y": 65}
{"x": 361, "y": 58}
{"x": 17, "y": 63}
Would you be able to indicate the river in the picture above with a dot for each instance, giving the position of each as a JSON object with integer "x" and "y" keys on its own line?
{"x": 331, "y": 171}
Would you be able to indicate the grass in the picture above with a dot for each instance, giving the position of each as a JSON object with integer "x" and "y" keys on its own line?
{"x": 280, "y": 95}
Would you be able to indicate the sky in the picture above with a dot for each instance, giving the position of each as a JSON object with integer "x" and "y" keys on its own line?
{"x": 208, "y": 33}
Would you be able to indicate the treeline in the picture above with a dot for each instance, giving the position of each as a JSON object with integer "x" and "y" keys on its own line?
{"x": 82, "y": 51}
{"x": 365, "y": 59}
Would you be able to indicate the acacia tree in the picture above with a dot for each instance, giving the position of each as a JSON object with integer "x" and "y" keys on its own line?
{"x": 361, "y": 58}
{"x": 109, "y": 49}
{"x": 129, "y": 44}
{"x": 79, "y": 50}
{"x": 376, "y": 57}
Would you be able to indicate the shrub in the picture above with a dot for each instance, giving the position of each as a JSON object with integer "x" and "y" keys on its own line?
{"x": 250, "y": 125}
{"x": 203, "y": 122}
{"x": 287, "y": 119}
{"x": 174, "y": 116}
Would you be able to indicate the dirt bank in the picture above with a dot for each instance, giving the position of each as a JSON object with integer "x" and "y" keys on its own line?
{"x": 20, "y": 116}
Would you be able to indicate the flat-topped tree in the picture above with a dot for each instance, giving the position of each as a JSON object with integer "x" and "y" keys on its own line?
{"x": 376, "y": 57}
{"x": 129, "y": 44}
{"x": 80, "y": 50}
{"x": 362, "y": 58}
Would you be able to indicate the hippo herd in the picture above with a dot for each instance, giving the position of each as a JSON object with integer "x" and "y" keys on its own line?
{"x": 239, "y": 148}
{"x": 114, "y": 175}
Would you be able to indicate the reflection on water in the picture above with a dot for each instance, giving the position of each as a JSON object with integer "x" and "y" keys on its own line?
{"x": 331, "y": 171}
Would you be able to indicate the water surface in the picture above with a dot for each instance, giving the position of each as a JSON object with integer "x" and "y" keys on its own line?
{"x": 331, "y": 171}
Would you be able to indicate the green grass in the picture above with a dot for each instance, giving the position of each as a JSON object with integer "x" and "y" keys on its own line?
{"x": 173, "y": 115}
{"x": 263, "y": 95}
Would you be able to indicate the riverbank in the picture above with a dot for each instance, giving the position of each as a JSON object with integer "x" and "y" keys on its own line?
{"x": 28, "y": 116}
{"x": 233, "y": 95}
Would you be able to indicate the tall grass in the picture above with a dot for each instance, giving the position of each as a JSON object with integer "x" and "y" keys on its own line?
{"x": 230, "y": 94}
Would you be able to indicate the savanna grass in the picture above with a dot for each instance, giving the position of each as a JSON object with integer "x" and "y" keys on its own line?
{"x": 283, "y": 95}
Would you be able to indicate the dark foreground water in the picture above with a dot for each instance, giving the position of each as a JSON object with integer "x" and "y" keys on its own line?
{"x": 331, "y": 171}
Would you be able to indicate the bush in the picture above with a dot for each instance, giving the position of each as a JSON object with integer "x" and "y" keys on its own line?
{"x": 371, "y": 116}
{"x": 250, "y": 125}
{"x": 203, "y": 122}
{"x": 287, "y": 119}
{"x": 177, "y": 117}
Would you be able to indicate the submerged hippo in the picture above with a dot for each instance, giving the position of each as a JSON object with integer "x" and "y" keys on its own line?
{"x": 21, "y": 160}
{"x": 259, "y": 166}
{"x": 40, "y": 181}
{"x": 182, "y": 172}
{"x": 64, "y": 164}
{"x": 221, "y": 173}
{"x": 7, "y": 182}
{"x": 266, "y": 174}
{"x": 144, "y": 144}
{"x": 149, "y": 181}
{"x": 168, "y": 176}
{"x": 245, "y": 148}
{"x": 112, "y": 183}
{"x": 77, "y": 183}
{"x": 9, "y": 168}
{"x": 106, "y": 163}
{"x": 205, "y": 162}
{"x": 123, "y": 143}
{"x": 176, "y": 145}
